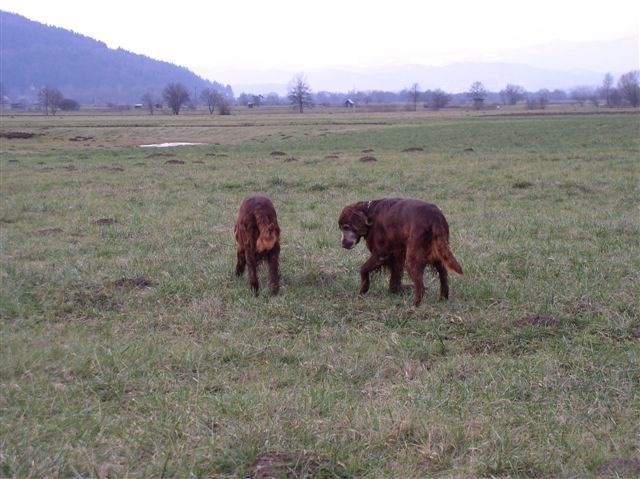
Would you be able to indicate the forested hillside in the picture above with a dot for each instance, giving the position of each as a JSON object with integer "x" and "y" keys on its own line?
{"x": 34, "y": 55}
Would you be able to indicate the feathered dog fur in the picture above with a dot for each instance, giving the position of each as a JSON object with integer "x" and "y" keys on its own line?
{"x": 258, "y": 239}
{"x": 400, "y": 233}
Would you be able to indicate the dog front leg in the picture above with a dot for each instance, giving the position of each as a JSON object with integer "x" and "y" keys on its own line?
{"x": 241, "y": 263}
{"x": 396, "y": 267}
{"x": 274, "y": 274}
{"x": 374, "y": 262}
{"x": 252, "y": 269}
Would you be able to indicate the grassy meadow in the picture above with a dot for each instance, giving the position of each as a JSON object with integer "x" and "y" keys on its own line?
{"x": 129, "y": 348}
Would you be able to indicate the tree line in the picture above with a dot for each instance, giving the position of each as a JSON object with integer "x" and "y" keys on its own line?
{"x": 626, "y": 91}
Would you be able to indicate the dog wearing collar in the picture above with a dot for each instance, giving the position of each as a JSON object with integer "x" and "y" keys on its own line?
{"x": 400, "y": 234}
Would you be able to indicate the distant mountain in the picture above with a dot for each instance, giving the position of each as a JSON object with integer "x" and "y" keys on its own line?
{"x": 34, "y": 55}
{"x": 455, "y": 78}
{"x": 556, "y": 65}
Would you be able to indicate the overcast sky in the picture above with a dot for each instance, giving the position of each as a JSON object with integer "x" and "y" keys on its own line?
{"x": 221, "y": 39}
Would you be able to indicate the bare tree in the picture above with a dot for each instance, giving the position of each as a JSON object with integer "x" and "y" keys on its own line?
{"x": 300, "y": 92}
{"x": 273, "y": 99}
{"x": 582, "y": 94}
{"x": 223, "y": 103}
{"x": 538, "y": 100}
{"x": 477, "y": 93}
{"x": 176, "y": 95}
{"x": 148, "y": 101}
{"x": 607, "y": 85}
{"x": 210, "y": 97}
{"x": 414, "y": 95}
{"x": 629, "y": 86}
{"x": 438, "y": 99}
{"x": 50, "y": 99}
{"x": 512, "y": 94}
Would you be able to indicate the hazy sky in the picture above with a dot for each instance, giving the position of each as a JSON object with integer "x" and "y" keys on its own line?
{"x": 220, "y": 39}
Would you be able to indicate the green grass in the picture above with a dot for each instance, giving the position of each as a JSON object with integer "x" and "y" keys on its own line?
{"x": 532, "y": 369}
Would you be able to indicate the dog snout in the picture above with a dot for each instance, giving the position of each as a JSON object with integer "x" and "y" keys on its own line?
{"x": 348, "y": 244}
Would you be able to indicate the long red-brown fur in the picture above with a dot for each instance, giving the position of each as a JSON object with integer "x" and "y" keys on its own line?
{"x": 400, "y": 233}
{"x": 258, "y": 239}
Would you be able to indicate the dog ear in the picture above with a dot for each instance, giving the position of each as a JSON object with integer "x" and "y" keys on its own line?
{"x": 361, "y": 223}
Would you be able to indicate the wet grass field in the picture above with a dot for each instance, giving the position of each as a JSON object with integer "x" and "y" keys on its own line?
{"x": 129, "y": 348}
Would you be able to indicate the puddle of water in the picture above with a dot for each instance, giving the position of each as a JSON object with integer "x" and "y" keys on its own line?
{"x": 166, "y": 145}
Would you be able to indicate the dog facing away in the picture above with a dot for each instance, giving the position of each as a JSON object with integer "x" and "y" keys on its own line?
{"x": 258, "y": 239}
{"x": 400, "y": 233}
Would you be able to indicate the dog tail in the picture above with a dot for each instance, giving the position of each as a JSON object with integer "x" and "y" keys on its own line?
{"x": 442, "y": 247}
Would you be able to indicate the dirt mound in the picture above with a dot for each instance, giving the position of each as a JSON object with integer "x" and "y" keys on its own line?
{"x": 278, "y": 153}
{"x": 133, "y": 282}
{"x": 365, "y": 159}
{"x": 368, "y": 150}
{"x": 81, "y": 138}
{"x": 413, "y": 148}
{"x": 174, "y": 162}
{"x": 16, "y": 135}
{"x": 331, "y": 157}
{"x": 159, "y": 155}
{"x": 105, "y": 221}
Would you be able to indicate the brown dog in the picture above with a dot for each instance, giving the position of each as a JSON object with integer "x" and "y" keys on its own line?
{"x": 258, "y": 238}
{"x": 400, "y": 233}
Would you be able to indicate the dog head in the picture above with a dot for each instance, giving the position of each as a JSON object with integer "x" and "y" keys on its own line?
{"x": 354, "y": 224}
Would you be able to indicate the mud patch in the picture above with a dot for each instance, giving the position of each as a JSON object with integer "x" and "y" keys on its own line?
{"x": 138, "y": 282}
{"x": 538, "y": 320}
{"x": 159, "y": 155}
{"x": 293, "y": 465}
{"x": 412, "y": 149}
{"x": 278, "y": 153}
{"x": 331, "y": 157}
{"x": 522, "y": 185}
{"x": 198, "y": 162}
{"x": 81, "y": 138}
{"x": 104, "y": 221}
{"x": 620, "y": 468}
{"x": 16, "y": 135}
{"x": 111, "y": 168}
{"x": 290, "y": 159}
{"x": 50, "y": 231}
{"x": 368, "y": 150}
{"x": 366, "y": 159}
{"x": 174, "y": 162}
